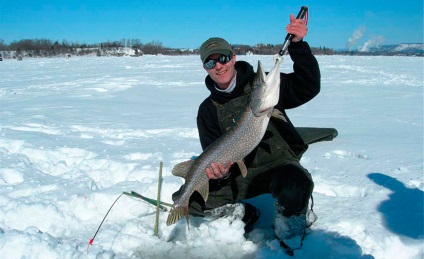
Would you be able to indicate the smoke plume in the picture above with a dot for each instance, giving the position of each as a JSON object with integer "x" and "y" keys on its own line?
{"x": 375, "y": 41}
{"x": 356, "y": 35}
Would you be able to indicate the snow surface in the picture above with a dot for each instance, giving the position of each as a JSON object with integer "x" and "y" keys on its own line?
{"x": 76, "y": 133}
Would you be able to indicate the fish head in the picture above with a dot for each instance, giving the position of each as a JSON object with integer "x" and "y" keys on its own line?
{"x": 265, "y": 90}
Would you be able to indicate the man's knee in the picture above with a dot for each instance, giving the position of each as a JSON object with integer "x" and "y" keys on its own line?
{"x": 292, "y": 186}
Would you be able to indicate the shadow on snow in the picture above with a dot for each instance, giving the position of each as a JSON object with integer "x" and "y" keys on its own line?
{"x": 403, "y": 212}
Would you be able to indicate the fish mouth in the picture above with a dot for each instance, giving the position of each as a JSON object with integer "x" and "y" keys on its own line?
{"x": 266, "y": 90}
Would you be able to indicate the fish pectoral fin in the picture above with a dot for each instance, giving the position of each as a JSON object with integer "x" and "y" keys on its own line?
{"x": 204, "y": 191}
{"x": 278, "y": 114}
{"x": 243, "y": 168}
{"x": 182, "y": 168}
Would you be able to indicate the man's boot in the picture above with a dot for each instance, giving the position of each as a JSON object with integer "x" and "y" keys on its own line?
{"x": 287, "y": 227}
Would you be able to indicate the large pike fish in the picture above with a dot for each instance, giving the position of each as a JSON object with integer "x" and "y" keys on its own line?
{"x": 234, "y": 145}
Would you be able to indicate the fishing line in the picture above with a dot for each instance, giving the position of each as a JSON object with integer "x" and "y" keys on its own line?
{"x": 92, "y": 239}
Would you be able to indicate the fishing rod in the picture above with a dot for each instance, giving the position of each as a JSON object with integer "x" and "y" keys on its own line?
{"x": 302, "y": 13}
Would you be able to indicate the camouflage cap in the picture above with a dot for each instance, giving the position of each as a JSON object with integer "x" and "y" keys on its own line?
{"x": 214, "y": 45}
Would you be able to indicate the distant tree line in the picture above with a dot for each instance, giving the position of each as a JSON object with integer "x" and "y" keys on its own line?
{"x": 417, "y": 53}
{"x": 49, "y": 48}
{"x": 135, "y": 47}
{"x": 270, "y": 49}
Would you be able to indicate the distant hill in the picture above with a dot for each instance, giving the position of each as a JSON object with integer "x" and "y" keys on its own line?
{"x": 406, "y": 49}
{"x": 402, "y": 48}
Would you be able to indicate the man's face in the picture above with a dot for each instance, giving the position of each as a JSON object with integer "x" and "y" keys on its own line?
{"x": 222, "y": 74}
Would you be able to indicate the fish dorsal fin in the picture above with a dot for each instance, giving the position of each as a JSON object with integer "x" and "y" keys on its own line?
{"x": 204, "y": 191}
{"x": 242, "y": 167}
{"x": 182, "y": 168}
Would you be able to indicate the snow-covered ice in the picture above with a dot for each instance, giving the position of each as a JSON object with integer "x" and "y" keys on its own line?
{"x": 75, "y": 133}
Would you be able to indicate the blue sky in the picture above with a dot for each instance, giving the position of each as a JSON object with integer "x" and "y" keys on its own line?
{"x": 186, "y": 24}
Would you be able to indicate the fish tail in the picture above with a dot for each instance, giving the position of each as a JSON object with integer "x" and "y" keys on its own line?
{"x": 176, "y": 213}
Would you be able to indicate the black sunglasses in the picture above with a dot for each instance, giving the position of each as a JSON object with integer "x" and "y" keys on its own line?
{"x": 223, "y": 59}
